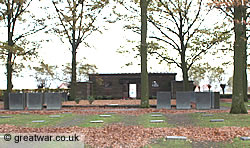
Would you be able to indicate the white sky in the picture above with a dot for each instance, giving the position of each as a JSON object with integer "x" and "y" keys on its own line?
{"x": 104, "y": 55}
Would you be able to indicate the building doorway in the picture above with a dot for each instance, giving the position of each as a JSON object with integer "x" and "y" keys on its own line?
{"x": 132, "y": 91}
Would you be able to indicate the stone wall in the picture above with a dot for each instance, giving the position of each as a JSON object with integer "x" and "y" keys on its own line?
{"x": 178, "y": 86}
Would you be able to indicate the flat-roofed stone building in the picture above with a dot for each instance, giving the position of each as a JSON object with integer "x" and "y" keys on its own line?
{"x": 128, "y": 85}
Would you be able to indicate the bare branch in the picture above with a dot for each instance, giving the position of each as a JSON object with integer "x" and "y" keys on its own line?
{"x": 160, "y": 39}
{"x": 61, "y": 20}
{"x": 29, "y": 33}
{"x": 167, "y": 59}
{"x": 178, "y": 48}
{"x": 170, "y": 12}
{"x": 196, "y": 18}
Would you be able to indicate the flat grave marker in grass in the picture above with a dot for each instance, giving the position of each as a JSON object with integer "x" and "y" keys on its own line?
{"x": 207, "y": 115}
{"x": 6, "y": 116}
{"x": 110, "y": 113}
{"x": 245, "y": 138}
{"x": 156, "y": 115}
{"x": 156, "y": 121}
{"x": 113, "y": 105}
{"x": 104, "y": 115}
{"x": 38, "y": 121}
{"x": 97, "y": 121}
{"x": 217, "y": 120}
{"x": 176, "y": 138}
{"x": 67, "y": 113}
{"x": 156, "y": 112}
{"x": 201, "y": 112}
{"x": 54, "y": 116}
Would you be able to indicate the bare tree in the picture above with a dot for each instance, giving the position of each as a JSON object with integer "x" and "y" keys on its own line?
{"x": 77, "y": 21}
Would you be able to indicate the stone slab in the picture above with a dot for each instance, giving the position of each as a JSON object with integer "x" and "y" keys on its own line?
{"x": 201, "y": 112}
{"x": 97, "y": 121}
{"x": 16, "y": 101}
{"x": 156, "y": 115}
{"x": 54, "y": 116}
{"x": 104, "y": 115}
{"x": 110, "y": 113}
{"x": 64, "y": 96}
{"x": 183, "y": 99}
{"x": 245, "y": 138}
{"x": 163, "y": 100}
{"x": 203, "y": 100}
{"x": 156, "y": 112}
{"x": 38, "y": 121}
{"x": 54, "y": 101}
{"x": 156, "y": 121}
{"x": 215, "y": 100}
{"x": 6, "y": 116}
{"x": 207, "y": 115}
{"x": 113, "y": 104}
{"x": 217, "y": 120}
{"x": 34, "y": 101}
{"x": 176, "y": 138}
{"x": 248, "y": 105}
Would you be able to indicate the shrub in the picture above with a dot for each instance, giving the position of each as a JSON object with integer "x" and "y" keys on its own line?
{"x": 77, "y": 100}
{"x": 91, "y": 99}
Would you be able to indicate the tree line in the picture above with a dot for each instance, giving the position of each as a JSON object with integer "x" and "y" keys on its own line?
{"x": 177, "y": 29}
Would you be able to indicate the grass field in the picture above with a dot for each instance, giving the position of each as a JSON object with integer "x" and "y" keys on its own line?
{"x": 160, "y": 143}
{"x": 170, "y": 120}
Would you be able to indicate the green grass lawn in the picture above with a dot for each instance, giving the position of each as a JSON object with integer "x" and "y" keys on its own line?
{"x": 106, "y": 120}
{"x": 159, "y": 143}
{"x": 26, "y": 120}
{"x": 240, "y": 120}
{"x": 228, "y": 104}
{"x": 144, "y": 120}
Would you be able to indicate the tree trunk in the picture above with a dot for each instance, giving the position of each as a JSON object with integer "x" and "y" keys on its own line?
{"x": 245, "y": 82}
{"x": 238, "y": 106}
{"x": 183, "y": 54}
{"x": 74, "y": 47}
{"x": 9, "y": 63}
{"x": 73, "y": 75}
{"x": 184, "y": 73}
{"x": 143, "y": 50}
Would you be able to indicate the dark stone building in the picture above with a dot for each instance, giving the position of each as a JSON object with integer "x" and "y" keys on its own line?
{"x": 127, "y": 85}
